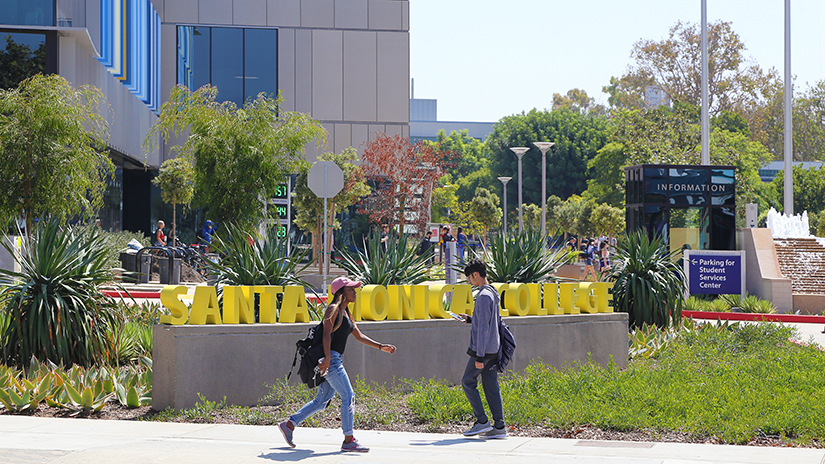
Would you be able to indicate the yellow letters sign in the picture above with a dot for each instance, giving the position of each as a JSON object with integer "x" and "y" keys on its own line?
{"x": 377, "y": 303}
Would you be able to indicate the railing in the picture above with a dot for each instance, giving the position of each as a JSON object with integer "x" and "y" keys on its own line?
{"x": 170, "y": 253}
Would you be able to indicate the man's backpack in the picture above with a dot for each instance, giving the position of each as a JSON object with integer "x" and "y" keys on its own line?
{"x": 506, "y": 346}
{"x": 310, "y": 350}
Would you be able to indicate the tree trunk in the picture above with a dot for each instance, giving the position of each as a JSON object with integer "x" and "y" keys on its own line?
{"x": 172, "y": 233}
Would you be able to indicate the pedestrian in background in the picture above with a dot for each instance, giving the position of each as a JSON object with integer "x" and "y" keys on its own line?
{"x": 160, "y": 237}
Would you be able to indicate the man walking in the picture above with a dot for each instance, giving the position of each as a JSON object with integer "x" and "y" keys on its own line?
{"x": 483, "y": 351}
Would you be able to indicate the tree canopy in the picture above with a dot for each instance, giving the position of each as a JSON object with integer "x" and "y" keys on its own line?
{"x": 577, "y": 139}
{"x": 52, "y": 150}
{"x": 176, "y": 180}
{"x": 240, "y": 155}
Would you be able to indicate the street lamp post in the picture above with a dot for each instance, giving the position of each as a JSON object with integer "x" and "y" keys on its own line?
{"x": 543, "y": 146}
{"x": 519, "y": 151}
{"x": 504, "y": 181}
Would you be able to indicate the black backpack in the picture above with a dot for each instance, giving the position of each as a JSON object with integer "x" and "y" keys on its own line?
{"x": 310, "y": 350}
{"x": 506, "y": 346}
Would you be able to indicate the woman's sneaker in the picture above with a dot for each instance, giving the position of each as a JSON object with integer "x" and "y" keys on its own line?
{"x": 496, "y": 433}
{"x": 477, "y": 429}
{"x": 354, "y": 446}
{"x": 287, "y": 432}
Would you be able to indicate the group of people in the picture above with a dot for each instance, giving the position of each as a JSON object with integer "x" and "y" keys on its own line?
{"x": 204, "y": 235}
{"x": 444, "y": 236}
{"x": 595, "y": 254}
{"x": 483, "y": 350}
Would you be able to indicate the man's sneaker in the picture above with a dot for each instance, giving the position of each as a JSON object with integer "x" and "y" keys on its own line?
{"x": 477, "y": 429}
{"x": 354, "y": 446}
{"x": 495, "y": 433}
{"x": 287, "y": 433}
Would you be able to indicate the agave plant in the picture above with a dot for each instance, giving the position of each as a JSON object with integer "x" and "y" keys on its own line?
{"x": 56, "y": 309}
{"x": 245, "y": 261}
{"x": 524, "y": 258}
{"x": 753, "y": 304}
{"x": 648, "y": 284}
{"x": 395, "y": 265}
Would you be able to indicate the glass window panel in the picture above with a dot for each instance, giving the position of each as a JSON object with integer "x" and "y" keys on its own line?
{"x": 655, "y": 185}
{"x": 193, "y": 56}
{"x": 723, "y": 229}
{"x": 656, "y": 218}
{"x": 260, "y": 62}
{"x": 27, "y": 12}
{"x": 723, "y": 187}
{"x": 227, "y": 63}
{"x": 21, "y": 56}
{"x": 689, "y": 226}
{"x": 688, "y": 186}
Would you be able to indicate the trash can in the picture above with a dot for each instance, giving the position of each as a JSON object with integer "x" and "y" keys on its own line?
{"x": 163, "y": 270}
{"x": 145, "y": 267}
{"x": 127, "y": 262}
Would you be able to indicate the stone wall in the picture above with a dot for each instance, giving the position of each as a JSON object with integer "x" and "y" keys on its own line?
{"x": 237, "y": 361}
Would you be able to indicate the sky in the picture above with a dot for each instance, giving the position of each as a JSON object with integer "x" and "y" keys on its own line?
{"x": 486, "y": 59}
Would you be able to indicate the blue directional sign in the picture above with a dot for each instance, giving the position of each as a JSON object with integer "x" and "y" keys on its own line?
{"x": 715, "y": 272}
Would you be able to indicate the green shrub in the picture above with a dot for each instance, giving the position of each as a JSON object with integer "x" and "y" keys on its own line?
{"x": 245, "y": 261}
{"x": 524, "y": 258}
{"x": 753, "y": 304}
{"x": 398, "y": 264}
{"x": 647, "y": 282}
{"x": 57, "y": 310}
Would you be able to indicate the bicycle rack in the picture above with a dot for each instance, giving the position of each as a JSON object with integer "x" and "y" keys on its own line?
{"x": 169, "y": 253}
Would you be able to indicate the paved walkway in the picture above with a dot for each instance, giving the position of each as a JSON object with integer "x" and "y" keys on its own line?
{"x": 43, "y": 440}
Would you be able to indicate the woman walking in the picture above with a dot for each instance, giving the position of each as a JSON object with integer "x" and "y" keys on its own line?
{"x": 338, "y": 324}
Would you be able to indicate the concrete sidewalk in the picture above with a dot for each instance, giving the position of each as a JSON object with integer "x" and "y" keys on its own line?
{"x": 47, "y": 440}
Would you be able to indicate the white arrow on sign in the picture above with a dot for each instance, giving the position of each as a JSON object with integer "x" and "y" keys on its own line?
{"x": 325, "y": 179}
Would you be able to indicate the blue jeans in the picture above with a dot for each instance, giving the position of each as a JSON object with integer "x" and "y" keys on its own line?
{"x": 336, "y": 381}
{"x": 489, "y": 381}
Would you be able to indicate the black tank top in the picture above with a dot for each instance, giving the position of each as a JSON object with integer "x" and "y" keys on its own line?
{"x": 340, "y": 336}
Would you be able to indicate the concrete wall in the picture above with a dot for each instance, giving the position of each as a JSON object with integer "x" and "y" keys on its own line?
{"x": 763, "y": 277}
{"x": 237, "y": 361}
{"x": 129, "y": 118}
{"x": 344, "y": 62}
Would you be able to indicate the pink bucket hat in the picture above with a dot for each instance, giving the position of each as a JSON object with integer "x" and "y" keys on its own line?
{"x": 342, "y": 282}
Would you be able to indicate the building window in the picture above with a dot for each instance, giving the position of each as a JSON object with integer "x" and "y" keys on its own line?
{"x": 27, "y": 12}
{"x": 21, "y": 56}
{"x": 241, "y": 63}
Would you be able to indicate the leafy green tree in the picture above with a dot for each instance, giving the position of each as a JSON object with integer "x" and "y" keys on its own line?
{"x": 240, "y": 155}
{"x": 577, "y": 139}
{"x": 469, "y": 164}
{"x": 18, "y": 62}
{"x": 484, "y": 207}
{"x": 567, "y": 214}
{"x": 52, "y": 142}
{"x": 176, "y": 181}
{"x": 531, "y": 215}
{"x": 674, "y": 64}
{"x": 606, "y": 183}
{"x": 808, "y": 190}
{"x": 578, "y": 101}
{"x": 310, "y": 208}
{"x": 553, "y": 202}
{"x": 608, "y": 220}
{"x": 585, "y": 227}
{"x": 444, "y": 199}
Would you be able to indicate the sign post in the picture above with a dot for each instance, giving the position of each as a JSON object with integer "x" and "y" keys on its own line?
{"x": 325, "y": 179}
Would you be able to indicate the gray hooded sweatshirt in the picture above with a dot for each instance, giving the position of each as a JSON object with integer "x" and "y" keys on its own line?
{"x": 484, "y": 339}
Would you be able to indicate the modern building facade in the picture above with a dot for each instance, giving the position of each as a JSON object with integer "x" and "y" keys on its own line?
{"x": 344, "y": 62}
{"x": 685, "y": 205}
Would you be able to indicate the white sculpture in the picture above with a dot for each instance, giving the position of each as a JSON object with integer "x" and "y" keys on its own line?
{"x": 784, "y": 226}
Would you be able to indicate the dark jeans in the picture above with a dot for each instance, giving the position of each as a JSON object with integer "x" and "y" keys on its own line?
{"x": 492, "y": 392}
